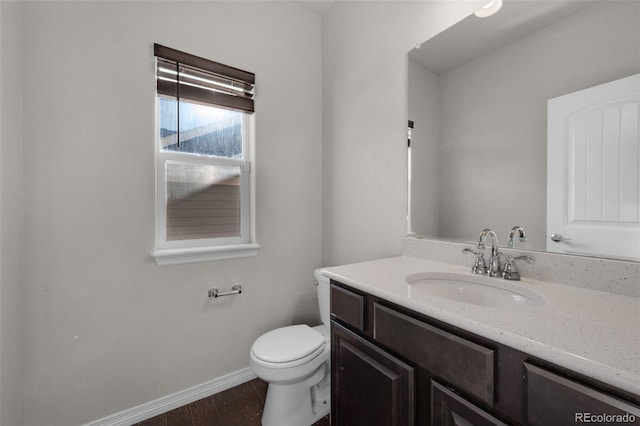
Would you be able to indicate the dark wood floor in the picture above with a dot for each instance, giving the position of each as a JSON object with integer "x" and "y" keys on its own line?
{"x": 238, "y": 406}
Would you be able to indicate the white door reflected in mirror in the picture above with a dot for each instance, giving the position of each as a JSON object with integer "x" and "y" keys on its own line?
{"x": 593, "y": 170}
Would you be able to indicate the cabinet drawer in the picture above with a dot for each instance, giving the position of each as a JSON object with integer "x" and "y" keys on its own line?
{"x": 347, "y": 306}
{"x": 553, "y": 399}
{"x": 447, "y": 408}
{"x": 464, "y": 364}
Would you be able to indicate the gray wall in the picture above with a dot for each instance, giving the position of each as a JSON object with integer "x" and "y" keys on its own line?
{"x": 12, "y": 325}
{"x": 365, "y": 45}
{"x": 105, "y": 327}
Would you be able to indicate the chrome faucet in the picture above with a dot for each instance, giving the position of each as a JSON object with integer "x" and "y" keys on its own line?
{"x": 510, "y": 272}
{"x": 519, "y": 231}
{"x": 494, "y": 260}
{"x": 479, "y": 267}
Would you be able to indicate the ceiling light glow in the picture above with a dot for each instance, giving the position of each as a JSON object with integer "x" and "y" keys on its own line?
{"x": 489, "y": 9}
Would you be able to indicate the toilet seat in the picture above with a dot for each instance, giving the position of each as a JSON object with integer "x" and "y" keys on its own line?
{"x": 288, "y": 346}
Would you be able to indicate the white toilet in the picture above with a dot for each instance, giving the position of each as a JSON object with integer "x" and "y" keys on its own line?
{"x": 294, "y": 361}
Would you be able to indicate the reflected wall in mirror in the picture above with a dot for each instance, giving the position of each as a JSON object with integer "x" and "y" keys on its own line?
{"x": 478, "y": 97}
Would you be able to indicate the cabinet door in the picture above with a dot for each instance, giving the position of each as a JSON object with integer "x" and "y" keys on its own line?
{"x": 450, "y": 409}
{"x": 557, "y": 400}
{"x": 369, "y": 387}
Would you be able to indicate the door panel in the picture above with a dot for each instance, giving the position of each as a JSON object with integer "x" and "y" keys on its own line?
{"x": 593, "y": 170}
{"x": 369, "y": 387}
{"x": 450, "y": 409}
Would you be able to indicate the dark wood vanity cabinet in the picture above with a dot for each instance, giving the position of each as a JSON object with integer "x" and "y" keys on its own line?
{"x": 449, "y": 408}
{"x": 392, "y": 366}
{"x": 370, "y": 386}
{"x": 551, "y": 398}
{"x": 458, "y": 361}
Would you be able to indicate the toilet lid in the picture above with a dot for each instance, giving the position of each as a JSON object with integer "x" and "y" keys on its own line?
{"x": 287, "y": 344}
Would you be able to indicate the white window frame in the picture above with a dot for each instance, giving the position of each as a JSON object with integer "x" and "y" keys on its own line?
{"x": 206, "y": 249}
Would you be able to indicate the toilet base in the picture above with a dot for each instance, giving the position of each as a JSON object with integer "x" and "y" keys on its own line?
{"x": 300, "y": 404}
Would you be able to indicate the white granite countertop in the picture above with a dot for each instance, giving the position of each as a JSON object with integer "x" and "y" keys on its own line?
{"x": 590, "y": 332}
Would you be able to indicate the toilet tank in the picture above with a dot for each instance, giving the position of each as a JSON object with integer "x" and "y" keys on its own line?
{"x": 322, "y": 286}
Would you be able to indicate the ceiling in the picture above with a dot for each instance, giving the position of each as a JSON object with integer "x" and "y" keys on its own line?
{"x": 473, "y": 37}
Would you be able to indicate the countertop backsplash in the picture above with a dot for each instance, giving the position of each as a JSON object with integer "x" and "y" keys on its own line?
{"x": 609, "y": 275}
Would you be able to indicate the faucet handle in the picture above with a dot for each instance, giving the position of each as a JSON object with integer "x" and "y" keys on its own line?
{"x": 479, "y": 267}
{"x": 509, "y": 271}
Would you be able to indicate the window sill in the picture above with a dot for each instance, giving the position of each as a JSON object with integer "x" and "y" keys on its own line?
{"x": 204, "y": 254}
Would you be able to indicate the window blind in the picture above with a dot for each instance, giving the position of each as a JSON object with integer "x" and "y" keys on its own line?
{"x": 184, "y": 76}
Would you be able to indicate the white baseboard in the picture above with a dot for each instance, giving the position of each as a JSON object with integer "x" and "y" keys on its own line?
{"x": 175, "y": 400}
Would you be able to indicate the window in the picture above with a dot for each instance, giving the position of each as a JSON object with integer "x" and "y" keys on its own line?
{"x": 204, "y": 114}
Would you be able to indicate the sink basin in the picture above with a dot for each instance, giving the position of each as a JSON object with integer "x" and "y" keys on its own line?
{"x": 472, "y": 289}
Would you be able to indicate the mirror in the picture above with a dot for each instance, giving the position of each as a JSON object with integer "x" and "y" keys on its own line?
{"x": 478, "y": 104}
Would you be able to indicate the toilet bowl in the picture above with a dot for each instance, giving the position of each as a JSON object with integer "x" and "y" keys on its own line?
{"x": 294, "y": 361}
